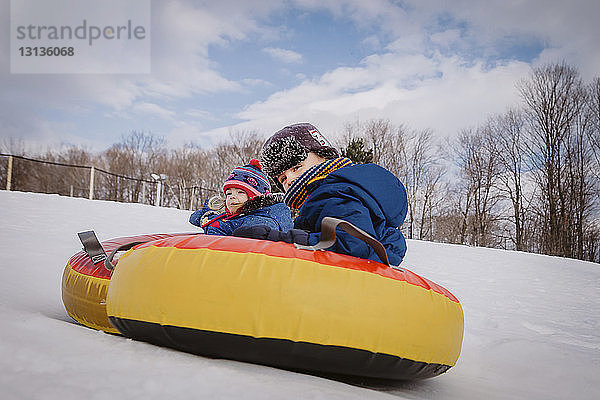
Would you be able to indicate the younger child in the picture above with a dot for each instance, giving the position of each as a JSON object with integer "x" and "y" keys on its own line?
{"x": 321, "y": 184}
{"x": 248, "y": 202}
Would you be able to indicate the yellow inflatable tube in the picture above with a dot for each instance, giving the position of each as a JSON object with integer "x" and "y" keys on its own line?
{"x": 270, "y": 303}
{"x": 85, "y": 284}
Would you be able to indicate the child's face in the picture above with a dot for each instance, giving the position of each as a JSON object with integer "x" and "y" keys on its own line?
{"x": 287, "y": 177}
{"x": 235, "y": 198}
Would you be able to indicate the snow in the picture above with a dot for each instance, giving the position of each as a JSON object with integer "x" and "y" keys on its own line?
{"x": 532, "y": 327}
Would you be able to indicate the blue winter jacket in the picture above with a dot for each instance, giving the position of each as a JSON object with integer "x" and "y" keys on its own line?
{"x": 366, "y": 195}
{"x": 261, "y": 210}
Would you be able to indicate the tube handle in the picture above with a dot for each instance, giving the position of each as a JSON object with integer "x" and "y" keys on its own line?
{"x": 328, "y": 238}
{"x": 108, "y": 262}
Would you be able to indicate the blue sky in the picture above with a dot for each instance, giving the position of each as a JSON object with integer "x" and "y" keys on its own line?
{"x": 226, "y": 66}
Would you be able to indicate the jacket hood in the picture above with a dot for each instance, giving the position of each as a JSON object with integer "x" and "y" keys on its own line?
{"x": 384, "y": 187}
{"x": 259, "y": 202}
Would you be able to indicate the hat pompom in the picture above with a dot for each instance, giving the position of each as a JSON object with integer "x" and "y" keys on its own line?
{"x": 255, "y": 163}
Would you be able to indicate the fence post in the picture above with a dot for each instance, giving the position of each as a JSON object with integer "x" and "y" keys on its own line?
{"x": 92, "y": 183}
{"x": 9, "y": 172}
{"x": 158, "y": 192}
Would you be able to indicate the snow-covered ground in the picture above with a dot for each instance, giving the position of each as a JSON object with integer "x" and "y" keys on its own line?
{"x": 532, "y": 323}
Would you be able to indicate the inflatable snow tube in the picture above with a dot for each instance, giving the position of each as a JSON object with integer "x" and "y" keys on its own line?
{"x": 85, "y": 284}
{"x": 273, "y": 304}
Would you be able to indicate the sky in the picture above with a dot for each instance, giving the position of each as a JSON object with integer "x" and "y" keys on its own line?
{"x": 531, "y": 322}
{"x": 256, "y": 66}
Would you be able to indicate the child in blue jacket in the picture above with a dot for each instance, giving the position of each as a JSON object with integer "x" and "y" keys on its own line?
{"x": 320, "y": 184}
{"x": 248, "y": 202}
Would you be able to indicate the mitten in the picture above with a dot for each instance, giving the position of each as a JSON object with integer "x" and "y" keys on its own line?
{"x": 265, "y": 232}
{"x": 294, "y": 236}
{"x": 253, "y": 232}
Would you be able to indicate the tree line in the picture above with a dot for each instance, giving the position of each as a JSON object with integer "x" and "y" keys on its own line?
{"x": 527, "y": 179}
{"x": 124, "y": 170}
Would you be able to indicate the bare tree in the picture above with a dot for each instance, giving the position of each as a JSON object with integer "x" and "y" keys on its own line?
{"x": 581, "y": 183}
{"x": 593, "y": 108}
{"x": 14, "y": 146}
{"x": 76, "y": 180}
{"x": 243, "y": 146}
{"x": 137, "y": 156}
{"x": 411, "y": 156}
{"x": 421, "y": 175}
{"x": 378, "y": 132}
{"x": 592, "y": 227}
{"x": 452, "y": 222}
{"x": 180, "y": 169}
{"x": 432, "y": 200}
{"x": 238, "y": 149}
{"x": 479, "y": 168}
{"x": 553, "y": 98}
{"x": 507, "y": 144}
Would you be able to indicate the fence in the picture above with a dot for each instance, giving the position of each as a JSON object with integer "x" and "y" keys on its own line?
{"x": 42, "y": 176}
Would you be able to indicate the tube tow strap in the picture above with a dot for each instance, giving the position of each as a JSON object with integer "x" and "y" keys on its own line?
{"x": 92, "y": 246}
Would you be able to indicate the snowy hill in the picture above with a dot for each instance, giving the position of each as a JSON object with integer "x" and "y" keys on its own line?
{"x": 532, "y": 323}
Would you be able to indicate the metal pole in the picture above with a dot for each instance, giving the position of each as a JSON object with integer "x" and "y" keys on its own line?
{"x": 162, "y": 191}
{"x": 193, "y": 192}
{"x": 143, "y": 192}
{"x": 92, "y": 184}
{"x": 158, "y": 191}
{"x": 9, "y": 172}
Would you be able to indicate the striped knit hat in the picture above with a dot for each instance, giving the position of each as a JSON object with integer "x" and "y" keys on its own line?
{"x": 250, "y": 179}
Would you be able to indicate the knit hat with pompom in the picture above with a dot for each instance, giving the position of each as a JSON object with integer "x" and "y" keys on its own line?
{"x": 250, "y": 178}
{"x": 291, "y": 145}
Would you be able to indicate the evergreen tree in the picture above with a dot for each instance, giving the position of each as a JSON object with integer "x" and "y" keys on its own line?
{"x": 355, "y": 150}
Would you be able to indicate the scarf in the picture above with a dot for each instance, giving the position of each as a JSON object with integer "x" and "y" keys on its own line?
{"x": 208, "y": 220}
{"x": 298, "y": 191}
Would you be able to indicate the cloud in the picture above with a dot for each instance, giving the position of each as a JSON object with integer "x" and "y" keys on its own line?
{"x": 441, "y": 93}
{"x": 43, "y": 134}
{"x": 567, "y": 30}
{"x": 199, "y": 114}
{"x": 182, "y": 33}
{"x": 184, "y": 132}
{"x": 446, "y": 38}
{"x": 286, "y": 56}
{"x": 432, "y": 64}
{"x": 255, "y": 82}
{"x": 154, "y": 110}
{"x": 371, "y": 42}
{"x": 388, "y": 16}
{"x": 441, "y": 70}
